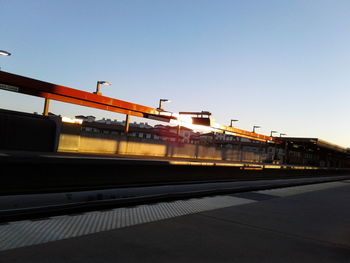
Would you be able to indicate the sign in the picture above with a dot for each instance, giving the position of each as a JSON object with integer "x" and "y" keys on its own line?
{"x": 9, "y": 88}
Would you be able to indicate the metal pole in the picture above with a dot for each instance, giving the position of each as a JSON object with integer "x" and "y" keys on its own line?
{"x": 274, "y": 156}
{"x": 232, "y": 122}
{"x": 241, "y": 151}
{"x": 260, "y": 153}
{"x": 178, "y": 132}
{"x": 98, "y": 88}
{"x": 286, "y": 153}
{"x": 46, "y": 107}
{"x": 127, "y": 124}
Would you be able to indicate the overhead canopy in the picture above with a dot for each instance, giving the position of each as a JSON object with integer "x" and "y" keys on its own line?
{"x": 34, "y": 87}
{"x": 314, "y": 141}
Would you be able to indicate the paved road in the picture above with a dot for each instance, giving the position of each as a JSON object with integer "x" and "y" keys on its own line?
{"x": 298, "y": 224}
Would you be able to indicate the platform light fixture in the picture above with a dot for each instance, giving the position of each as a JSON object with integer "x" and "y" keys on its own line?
{"x": 5, "y": 53}
{"x": 161, "y": 104}
{"x": 232, "y": 122}
{"x": 255, "y": 127}
{"x": 272, "y": 132}
{"x": 99, "y": 83}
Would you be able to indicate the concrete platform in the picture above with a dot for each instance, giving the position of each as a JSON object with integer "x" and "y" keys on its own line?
{"x": 297, "y": 224}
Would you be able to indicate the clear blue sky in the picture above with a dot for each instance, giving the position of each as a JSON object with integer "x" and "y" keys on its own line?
{"x": 283, "y": 65}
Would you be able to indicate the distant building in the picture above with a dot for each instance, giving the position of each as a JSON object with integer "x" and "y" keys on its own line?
{"x": 166, "y": 131}
{"x": 142, "y": 131}
{"x": 89, "y": 118}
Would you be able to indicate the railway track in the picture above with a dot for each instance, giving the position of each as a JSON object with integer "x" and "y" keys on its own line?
{"x": 34, "y": 206}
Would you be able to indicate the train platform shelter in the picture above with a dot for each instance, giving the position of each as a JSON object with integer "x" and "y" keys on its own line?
{"x": 315, "y": 152}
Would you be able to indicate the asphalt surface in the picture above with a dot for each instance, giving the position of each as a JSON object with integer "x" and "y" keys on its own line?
{"x": 282, "y": 225}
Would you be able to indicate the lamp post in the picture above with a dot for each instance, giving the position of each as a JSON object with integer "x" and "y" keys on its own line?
{"x": 232, "y": 122}
{"x": 99, "y": 83}
{"x": 4, "y": 53}
{"x": 272, "y": 132}
{"x": 282, "y": 134}
{"x": 161, "y": 104}
{"x": 255, "y": 127}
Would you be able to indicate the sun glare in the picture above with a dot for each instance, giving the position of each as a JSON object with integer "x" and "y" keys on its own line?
{"x": 186, "y": 121}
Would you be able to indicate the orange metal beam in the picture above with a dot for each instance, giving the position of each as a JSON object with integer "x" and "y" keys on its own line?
{"x": 246, "y": 134}
{"x": 47, "y": 90}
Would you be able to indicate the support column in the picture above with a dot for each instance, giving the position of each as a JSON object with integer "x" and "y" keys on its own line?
{"x": 46, "y": 107}
{"x": 240, "y": 151}
{"x": 286, "y": 153}
{"x": 260, "y": 154}
{"x": 178, "y": 132}
{"x": 213, "y": 138}
{"x": 127, "y": 124}
{"x": 274, "y": 156}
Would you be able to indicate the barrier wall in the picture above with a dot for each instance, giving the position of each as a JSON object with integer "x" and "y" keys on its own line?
{"x": 32, "y": 132}
{"x": 73, "y": 140}
{"x": 28, "y": 132}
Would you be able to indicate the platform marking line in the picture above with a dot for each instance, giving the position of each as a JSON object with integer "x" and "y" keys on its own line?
{"x": 27, "y": 233}
{"x": 294, "y": 190}
{"x": 346, "y": 181}
{"x": 255, "y": 196}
